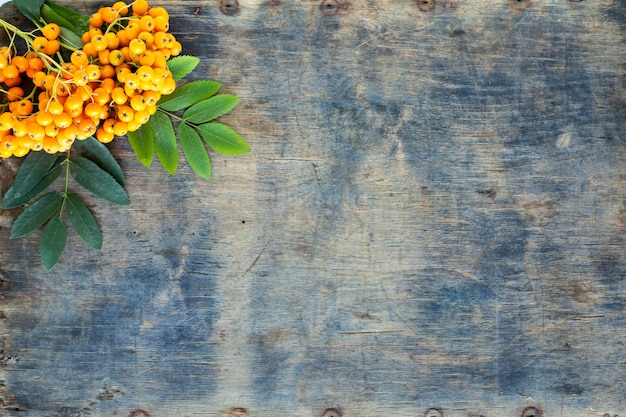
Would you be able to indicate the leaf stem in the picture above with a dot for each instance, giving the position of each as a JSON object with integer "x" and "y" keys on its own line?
{"x": 67, "y": 182}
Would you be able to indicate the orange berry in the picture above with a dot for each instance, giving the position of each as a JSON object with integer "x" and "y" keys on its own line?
{"x": 140, "y": 7}
{"x": 90, "y": 50}
{"x": 26, "y": 142}
{"x": 118, "y": 95}
{"x": 103, "y": 57}
{"x": 50, "y": 145}
{"x": 123, "y": 37}
{"x": 132, "y": 30}
{"x": 133, "y": 125}
{"x": 131, "y": 91}
{"x": 94, "y": 110}
{"x": 20, "y": 62}
{"x": 19, "y": 128}
{"x": 12, "y": 82}
{"x": 3, "y": 61}
{"x": 152, "y": 97}
{"x": 84, "y": 92}
{"x": 93, "y": 72}
{"x": 104, "y": 136}
{"x": 96, "y": 20}
{"x": 107, "y": 71}
{"x": 80, "y": 77}
{"x": 24, "y": 107}
{"x": 132, "y": 80}
{"x": 73, "y": 102}
{"x": 169, "y": 85}
{"x": 86, "y": 128}
{"x": 161, "y": 24}
{"x": 67, "y": 70}
{"x": 6, "y": 121}
{"x": 100, "y": 96}
{"x": 158, "y": 11}
{"x": 145, "y": 73}
{"x": 52, "y": 130}
{"x": 15, "y": 93}
{"x": 112, "y": 39}
{"x": 36, "y": 63}
{"x": 99, "y": 42}
{"x": 125, "y": 113}
{"x": 79, "y": 58}
{"x": 120, "y": 128}
{"x": 136, "y": 47}
{"x": 147, "y": 38}
{"x": 70, "y": 132}
{"x": 116, "y": 57}
{"x": 147, "y": 58}
{"x": 35, "y": 131}
{"x": 121, "y": 8}
{"x": 146, "y": 23}
{"x": 44, "y": 118}
{"x": 40, "y": 43}
{"x": 61, "y": 89}
{"x": 52, "y": 47}
{"x": 62, "y": 120}
{"x": 54, "y": 107}
{"x": 138, "y": 102}
{"x": 51, "y": 31}
{"x": 108, "y": 124}
{"x": 108, "y": 14}
{"x": 10, "y": 71}
{"x": 142, "y": 116}
{"x": 108, "y": 84}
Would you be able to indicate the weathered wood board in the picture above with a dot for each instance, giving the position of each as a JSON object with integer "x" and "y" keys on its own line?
{"x": 431, "y": 223}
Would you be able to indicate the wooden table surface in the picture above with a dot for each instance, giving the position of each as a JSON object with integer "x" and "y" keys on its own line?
{"x": 431, "y": 223}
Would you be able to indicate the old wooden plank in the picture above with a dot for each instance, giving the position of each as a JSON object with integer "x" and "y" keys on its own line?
{"x": 431, "y": 223}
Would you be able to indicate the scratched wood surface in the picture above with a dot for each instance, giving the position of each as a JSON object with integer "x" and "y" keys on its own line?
{"x": 431, "y": 223}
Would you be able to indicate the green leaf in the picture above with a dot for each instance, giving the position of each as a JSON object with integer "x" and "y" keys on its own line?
{"x": 210, "y": 108}
{"x": 182, "y": 65}
{"x": 51, "y": 16}
{"x": 189, "y": 94}
{"x": 223, "y": 139}
{"x": 11, "y": 201}
{"x": 83, "y": 222}
{"x": 142, "y": 142}
{"x": 36, "y": 215}
{"x": 70, "y": 38}
{"x": 52, "y": 242}
{"x": 97, "y": 180}
{"x": 35, "y": 172}
{"x": 79, "y": 22}
{"x": 100, "y": 154}
{"x": 165, "y": 141}
{"x": 194, "y": 150}
{"x": 29, "y": 8}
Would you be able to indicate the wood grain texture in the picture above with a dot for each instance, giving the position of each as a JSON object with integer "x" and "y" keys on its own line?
{"x": 431, "y": 223}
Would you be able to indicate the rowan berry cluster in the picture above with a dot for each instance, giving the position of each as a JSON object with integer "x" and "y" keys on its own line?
{"x": 107, "y": 88}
